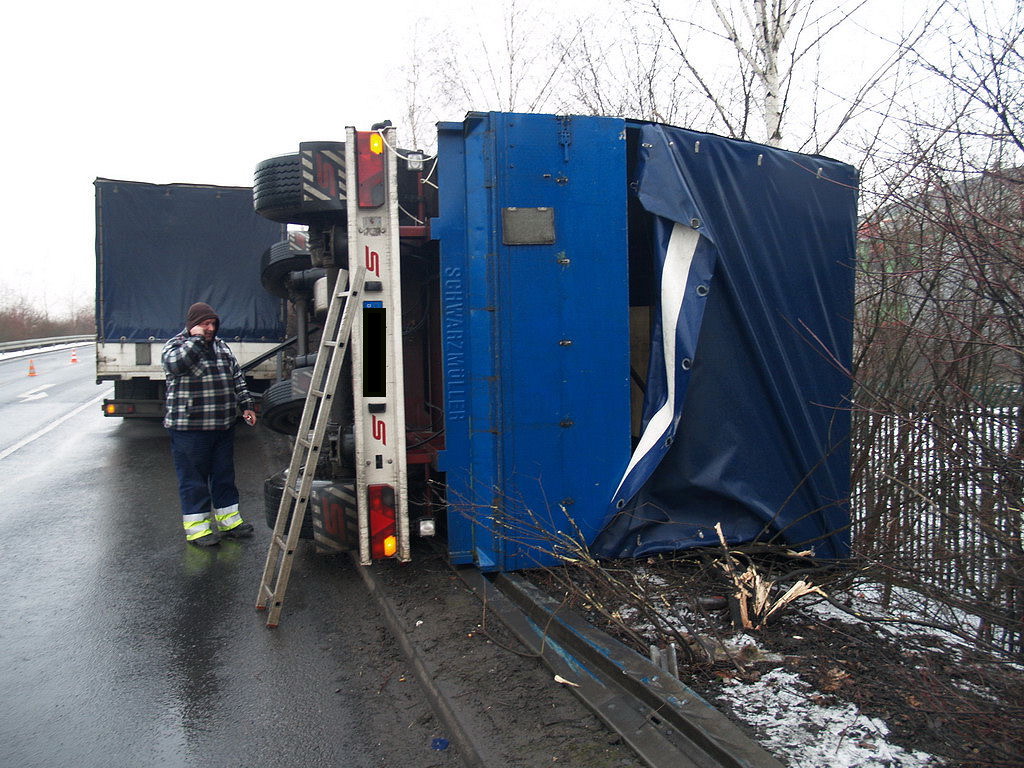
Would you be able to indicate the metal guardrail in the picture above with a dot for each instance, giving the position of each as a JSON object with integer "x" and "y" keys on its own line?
{"x": 14, "y": 346}
{"x": 664, "y": 722}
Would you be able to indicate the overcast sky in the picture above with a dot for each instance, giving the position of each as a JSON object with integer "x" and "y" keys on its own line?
{"x": 192, "y": 91}
{"x": 173, "y": 92}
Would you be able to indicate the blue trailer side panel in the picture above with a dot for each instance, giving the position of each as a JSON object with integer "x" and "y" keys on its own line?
{"x": 536, "y": 332}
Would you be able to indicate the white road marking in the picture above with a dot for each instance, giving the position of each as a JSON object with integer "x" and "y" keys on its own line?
{"x": 53, "y": 425}
{"x": 34, "y": 394}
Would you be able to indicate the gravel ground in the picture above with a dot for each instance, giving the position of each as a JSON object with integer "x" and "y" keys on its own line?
{"x": 508, "y": 701}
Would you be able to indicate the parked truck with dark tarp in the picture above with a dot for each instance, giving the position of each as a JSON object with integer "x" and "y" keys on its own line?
{"x": 161, "y": 247}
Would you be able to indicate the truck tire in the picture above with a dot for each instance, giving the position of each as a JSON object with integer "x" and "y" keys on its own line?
{"x": 277, "y": 193}
{"x": 273, "y": 489}
{"x": 282, "y": 408}
{"x": 278, "y": 261}
{"x": 277, "y": 189}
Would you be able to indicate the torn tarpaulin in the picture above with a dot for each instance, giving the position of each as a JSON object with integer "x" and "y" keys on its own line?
{"x": 745, "y": 417}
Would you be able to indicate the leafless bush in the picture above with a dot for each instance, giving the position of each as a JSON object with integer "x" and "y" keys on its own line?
{"x": 939, "y": 462}
{"x": 691, "y": 600}
{"x": 21, "y": 318}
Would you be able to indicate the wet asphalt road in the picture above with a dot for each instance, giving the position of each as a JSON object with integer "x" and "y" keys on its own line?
{"x": 124, "y": 646}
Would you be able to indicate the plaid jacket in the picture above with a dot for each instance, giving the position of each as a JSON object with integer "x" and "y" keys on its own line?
{"x": 205, "y": 386}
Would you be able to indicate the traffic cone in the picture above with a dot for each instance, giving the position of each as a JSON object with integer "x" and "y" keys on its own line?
{"x": 74, "y": 356}
{"x": 31, "y": 368}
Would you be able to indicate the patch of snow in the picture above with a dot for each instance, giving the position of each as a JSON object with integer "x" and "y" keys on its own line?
{"x": 13, "y": 355}
{"x": 796, "y": 722}
{"x": 808, "y": 735}
{"x": 982, "y": 693}
{"x": 904, "y": 604}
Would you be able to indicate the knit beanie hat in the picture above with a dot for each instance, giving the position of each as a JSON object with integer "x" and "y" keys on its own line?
{"x": 199, "y": 312}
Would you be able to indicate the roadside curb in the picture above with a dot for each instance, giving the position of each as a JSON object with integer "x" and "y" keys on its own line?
{"x": 439, "y": 700}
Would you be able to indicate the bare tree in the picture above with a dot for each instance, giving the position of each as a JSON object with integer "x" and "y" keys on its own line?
{"x": 940, "y": 410}
{"x": 510, "y": 63}
{"x": 415, "y": 127}
{"x": 765, "y": 65}
{"x": 763, "y": 71}
{"x": 621, "y": 70}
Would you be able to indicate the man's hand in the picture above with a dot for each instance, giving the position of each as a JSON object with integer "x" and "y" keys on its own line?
{"x": 206, "y": 329}
{"x": 249, "y": 417}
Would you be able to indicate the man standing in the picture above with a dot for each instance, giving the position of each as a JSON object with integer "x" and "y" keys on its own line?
{"x": 205, "y": 388}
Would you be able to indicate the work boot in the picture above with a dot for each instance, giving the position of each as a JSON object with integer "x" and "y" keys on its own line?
{"x": 209, "y": 540}
{"x": 240, "y": 531}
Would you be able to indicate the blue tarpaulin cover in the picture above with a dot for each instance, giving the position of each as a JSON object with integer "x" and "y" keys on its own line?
{"x": 745, "y": 420}
{"x": 161, "y": 247}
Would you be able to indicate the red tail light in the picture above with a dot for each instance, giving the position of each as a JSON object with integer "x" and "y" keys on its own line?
{"x": 370, "y": 168}
{"x": 383, "y": 538}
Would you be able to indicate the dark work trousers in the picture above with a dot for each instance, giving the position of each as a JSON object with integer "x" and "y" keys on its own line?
{"x": 205, "y": 463}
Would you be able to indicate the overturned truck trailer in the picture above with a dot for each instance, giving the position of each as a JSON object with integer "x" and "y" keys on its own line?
{"x": 614, "y": 335}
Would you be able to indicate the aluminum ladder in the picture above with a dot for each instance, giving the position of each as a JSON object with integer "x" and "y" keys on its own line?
{"x": 316, "y": 412}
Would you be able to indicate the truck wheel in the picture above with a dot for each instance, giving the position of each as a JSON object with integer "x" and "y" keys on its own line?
{"x": 273, "y": 489}
{"x": 277, "y": 193}
{"x": 277, "y": 189}
{"x": 277, "y": 262}
{"x": 282, "y": 408}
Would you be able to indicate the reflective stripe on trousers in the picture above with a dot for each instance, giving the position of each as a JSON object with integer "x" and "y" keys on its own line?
{"x": 196, "y": 526}
{"x": 227, "y": 517}
{"x": 204, "y": 463}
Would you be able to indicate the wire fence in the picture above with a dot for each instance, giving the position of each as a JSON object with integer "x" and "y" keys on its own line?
{"x": 937, "y": 502}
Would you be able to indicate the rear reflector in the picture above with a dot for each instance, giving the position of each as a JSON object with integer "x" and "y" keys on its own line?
{"x": 383, "y": 539}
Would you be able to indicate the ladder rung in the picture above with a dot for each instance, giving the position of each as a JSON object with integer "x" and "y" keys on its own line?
{"x": 266, "y": 591}
{"x": 317, "y": 393}
{"x": 279, "y": 540}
